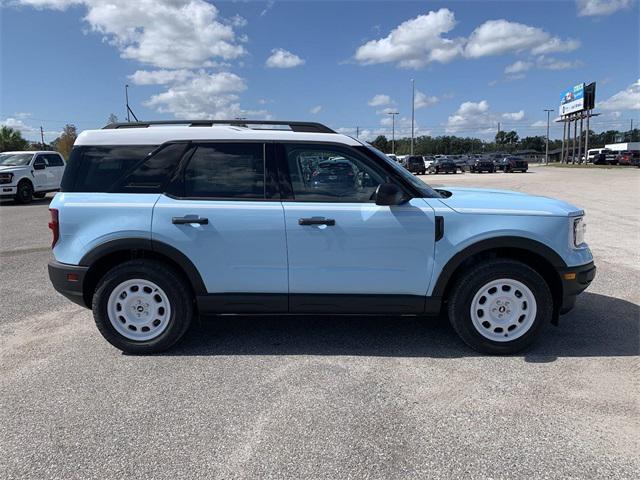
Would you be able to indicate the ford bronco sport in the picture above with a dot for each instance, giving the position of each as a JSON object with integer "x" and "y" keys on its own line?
{"x": 155, "y": 224}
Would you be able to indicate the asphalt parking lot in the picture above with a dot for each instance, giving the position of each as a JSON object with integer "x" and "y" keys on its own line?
{"x": 333, "y": 397}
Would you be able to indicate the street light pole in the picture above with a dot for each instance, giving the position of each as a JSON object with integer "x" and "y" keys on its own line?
{"x": 546, "y": 155}
{"x": 393, "y": 131}
{"x": 413, "y": 111}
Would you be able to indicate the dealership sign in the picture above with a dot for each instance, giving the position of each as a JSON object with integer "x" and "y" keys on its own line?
{"x": 572, "y": 100}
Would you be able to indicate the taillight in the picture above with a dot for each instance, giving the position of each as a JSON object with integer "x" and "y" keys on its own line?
{"x": 54, "y": 225}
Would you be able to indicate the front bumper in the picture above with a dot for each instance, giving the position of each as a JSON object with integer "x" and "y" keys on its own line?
{"x": 8, "y": 190}
{"x": 574, "y": 281}
{"x": 68, "y": 280}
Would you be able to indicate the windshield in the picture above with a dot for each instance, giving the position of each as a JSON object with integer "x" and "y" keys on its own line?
{"x": 424, "y": 189}
{"x": 15, "y": 159}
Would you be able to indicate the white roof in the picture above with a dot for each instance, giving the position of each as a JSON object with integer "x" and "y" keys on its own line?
{"x": 157, "y": 135}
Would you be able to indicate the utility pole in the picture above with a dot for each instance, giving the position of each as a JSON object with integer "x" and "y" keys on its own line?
{"x": 393, "y": 131}
{"x": 42, "y": 136}
{"x": 413, "y": 111}
{"x": 357, "y": 132}
{"x": 546, "y": 154}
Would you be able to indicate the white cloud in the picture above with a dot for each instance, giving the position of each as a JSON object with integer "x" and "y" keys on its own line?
{"x": 539, "y": 124}
{"x": 600, "y": 7}
{"x": 267, "y": 7}
{"x": 163, "y": 33}
{"x": 423, "y": 100}
{"x": 211, "y": 96}
{"x": 518, "y": 67}
{"x": 515, "y": 116}
{"x": 380, "y": 100}
{"x": 414, "y": 43}
{"x": 496, "y": 37}
{"x": 627, "y": 99}
{"x": 160, "y": 77}
{"x": 477, "y": 118}
{"x": 548, "y": 63}
{"x": 281, "y": 58}
{"x": 316, "y": 110}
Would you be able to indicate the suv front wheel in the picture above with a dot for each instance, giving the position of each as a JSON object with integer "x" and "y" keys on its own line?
{"x": 500, "y": 306}
{"x": 142, "y": 306}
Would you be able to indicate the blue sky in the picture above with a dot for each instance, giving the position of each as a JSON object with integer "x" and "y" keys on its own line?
{"x": 342, "y": 63}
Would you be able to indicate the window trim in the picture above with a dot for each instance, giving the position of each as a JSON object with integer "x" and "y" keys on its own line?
{"x": 286, "y": 185}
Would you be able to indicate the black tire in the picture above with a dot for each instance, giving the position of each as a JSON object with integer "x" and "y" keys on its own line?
{"x": 472, "y": 280}
{"x": 24, "y": 192}
{"x": 39, "y": 195}
{"x": 179, "y": 294}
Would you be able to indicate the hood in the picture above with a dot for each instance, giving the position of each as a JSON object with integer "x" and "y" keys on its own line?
{"x": 506, "y": 202}
{"x": 12, "y": 168}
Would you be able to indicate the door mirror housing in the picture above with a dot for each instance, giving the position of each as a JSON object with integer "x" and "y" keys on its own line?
{"x": 39, "y": 164}
{"x": 389, "y": 194}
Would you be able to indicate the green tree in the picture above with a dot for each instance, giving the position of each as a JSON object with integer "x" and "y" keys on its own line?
{"x": 64, "y": 143}
{"x": 113, "y": 118}
{"x": 537, "y": 143}
{"x": 11, "y": 139}
{"x": 381, "y": 143}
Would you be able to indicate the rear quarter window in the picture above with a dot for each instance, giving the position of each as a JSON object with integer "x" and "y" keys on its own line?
{"x": 99, "y": 168}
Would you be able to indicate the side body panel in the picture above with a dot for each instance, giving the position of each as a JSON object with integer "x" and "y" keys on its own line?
{"x": 88, "y": 220}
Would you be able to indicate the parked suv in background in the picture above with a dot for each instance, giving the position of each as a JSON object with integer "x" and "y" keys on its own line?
{"x": 24, "y": 175}
{"x": 155, "y": 224}
{"x": 482, "y": 165}
{"x": 443, "y": 165}
{"x": 415, "y": 164}
{"x": 513, "y": 164}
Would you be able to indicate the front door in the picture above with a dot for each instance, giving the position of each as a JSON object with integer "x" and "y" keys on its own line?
{"x": 347, "y": 254}
{"x": 41, "y": 176}
{"x": 220, "y": 218}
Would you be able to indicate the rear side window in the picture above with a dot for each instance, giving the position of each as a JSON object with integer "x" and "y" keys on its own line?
{"x": 152, "y": 174}
{"x": 98, "y": 168}
{"x": 226, "y": 170}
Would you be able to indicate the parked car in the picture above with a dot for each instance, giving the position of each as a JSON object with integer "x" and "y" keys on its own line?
{"x": 443, "y": 165}
{"x": 513, "y": 164}
{"x": 482, "y": 165}
{"x": 428, "y": 160}
{"x": 25, "y": 175}
{"x": 155, "y": 224}
{"x": 415, "y": 164}
{"x": 628, "y": 158}
{"x": 335, "y": 173}
{"x": 392, "y": 157}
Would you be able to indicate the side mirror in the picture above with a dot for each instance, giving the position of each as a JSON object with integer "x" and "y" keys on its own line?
{"x": 388, "y": 194}
{"x": 39, "y": 165}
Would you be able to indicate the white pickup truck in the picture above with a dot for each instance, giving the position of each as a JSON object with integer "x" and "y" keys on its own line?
{"x": 25, "y": 175}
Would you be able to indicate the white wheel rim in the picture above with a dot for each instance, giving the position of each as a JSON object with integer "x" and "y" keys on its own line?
{"x": 503, "y": 310}
{"x": 139, "y": 309}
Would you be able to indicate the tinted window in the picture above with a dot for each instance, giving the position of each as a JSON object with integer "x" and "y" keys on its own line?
{"x": 226, "y": 170}
{"x": 152, "y": 174}
{"x": 54, "y": 160}
{"x": 328, "y": 174}
{"x": 98, "y": 168}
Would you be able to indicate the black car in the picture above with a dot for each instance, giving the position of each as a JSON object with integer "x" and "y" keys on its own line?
{"x": 443, "y": 166}
{"x": 415, "y": 164}
{"x": 482, "y": 165}
{"x": 334, "y": 173}
{"x": 512, "y": 164}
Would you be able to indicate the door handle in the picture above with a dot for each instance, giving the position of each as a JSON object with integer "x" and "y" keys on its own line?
{"x": 187, "y": 219}
{"x": 316, "y": 221}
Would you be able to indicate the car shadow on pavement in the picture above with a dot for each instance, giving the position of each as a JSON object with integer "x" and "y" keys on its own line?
{"x": 599, "y": 326}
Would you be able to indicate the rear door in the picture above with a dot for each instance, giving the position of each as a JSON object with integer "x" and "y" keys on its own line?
{"x": 347, "y": 254}
{"x": 222, "y": 213}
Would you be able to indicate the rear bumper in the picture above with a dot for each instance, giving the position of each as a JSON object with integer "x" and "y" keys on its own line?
{"x": 68, "y": 280}
{"x": 574, "y": 281}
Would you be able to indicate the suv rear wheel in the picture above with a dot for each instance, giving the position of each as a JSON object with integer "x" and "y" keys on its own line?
{"x": 142, "y": 306}
{"x": 500, "y": 306}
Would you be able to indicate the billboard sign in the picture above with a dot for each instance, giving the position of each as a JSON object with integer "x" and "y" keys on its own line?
{"x": 572, "y": 100}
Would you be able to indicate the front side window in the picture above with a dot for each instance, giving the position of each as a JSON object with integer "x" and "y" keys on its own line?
{"x": 328, "y": 174}
{"x": 54, "y": 160}
{"x": 226, "y": 170}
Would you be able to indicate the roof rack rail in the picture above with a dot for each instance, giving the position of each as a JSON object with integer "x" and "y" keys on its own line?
{"x": 309, "y": 127}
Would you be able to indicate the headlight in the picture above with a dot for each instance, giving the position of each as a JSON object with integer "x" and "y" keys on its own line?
{"x": 6, "y": 177}
{"x": 579, "y": 229}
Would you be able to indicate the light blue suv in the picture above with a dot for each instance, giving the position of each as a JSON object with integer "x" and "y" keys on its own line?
{"x": 159, "y": 221}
